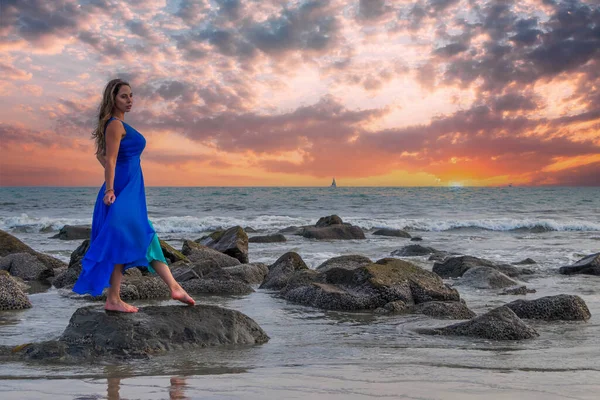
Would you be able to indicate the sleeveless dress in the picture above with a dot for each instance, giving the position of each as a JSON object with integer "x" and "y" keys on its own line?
{"x": 121, "y": 232}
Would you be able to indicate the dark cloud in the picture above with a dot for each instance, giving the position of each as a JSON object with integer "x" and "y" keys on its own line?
{"x": 451, "y": 49}
{"x": 193, "y": 11}
{"x": 373, "y": 9}
{"x": 311, "y": 27}
{"x": 232, "y": 9}
{"x": 513, "y": 102}
{"x": 37, "y": 21}
{"x": 583, "y": 175}
{"x": 535, "y": 50}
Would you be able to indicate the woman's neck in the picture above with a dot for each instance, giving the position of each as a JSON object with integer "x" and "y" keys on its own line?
{"x": 119, "y": 115}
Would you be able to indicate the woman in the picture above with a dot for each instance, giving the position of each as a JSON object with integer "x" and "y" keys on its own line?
{"x": 122, "y": 235}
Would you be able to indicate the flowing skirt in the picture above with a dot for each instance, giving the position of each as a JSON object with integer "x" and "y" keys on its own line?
{"x": 121, "y": 232}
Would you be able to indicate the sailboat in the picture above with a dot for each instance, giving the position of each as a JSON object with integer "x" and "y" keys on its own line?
{"x": 333, "y": 184}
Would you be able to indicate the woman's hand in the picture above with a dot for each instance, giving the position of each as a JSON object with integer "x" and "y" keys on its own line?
{"x": 109, "y": 198}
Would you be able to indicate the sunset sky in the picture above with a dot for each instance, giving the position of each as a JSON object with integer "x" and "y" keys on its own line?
{"x": 293, "y": 93}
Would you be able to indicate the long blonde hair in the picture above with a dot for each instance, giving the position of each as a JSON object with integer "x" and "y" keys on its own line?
{"x": 105, "y": 111}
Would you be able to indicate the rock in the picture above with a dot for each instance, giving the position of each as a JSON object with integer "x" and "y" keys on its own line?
{"x": 334, "y": 232}
{"x": 508, "y": 270}
{"x": 276, "y": 238}
{"x": 300, "y": 278}
{"x": 416, "y": 239}
{"x": 485, "y": 278}
{"x": 10, "y": 244}
{"x": 589, "y": 265}
{"x": 12, "y": 297}
{"x": 252, "y": 274}
{"x": 455, "y": 267}
{"x": 216, "y": 287}
{"x": 282, "y": 269}
{"x": 250, "y": 230}
{"x": 498, "y": 324}
{"x": 293, "y": 230}
{"x": 184, "y": 273}
{"x": 517, "y": 291}
{"x": 79, "y": 253}
{"x": 392, "y": 232}
{"x": 562, "y": 307}
{"x": 413, "y": 250}
{"x": 94, "y": 333}
{"x": 527, "y": 261}
{"x": 74, "y": 232}
{"x": 348, "y": 262}
{"x": 444, "y": 310}
{"x": 204, "y": 259}
{"x": 25, "y": 266}
{"x": 331, "y": 228}
{"x": 372, "y": 286}
{"x": 328, "y": 221}
{"x": 170, "y": 253}
{"x": 69, "y": 277}
{"x": 397, "y": 307}
{"x": 233, "y": 242}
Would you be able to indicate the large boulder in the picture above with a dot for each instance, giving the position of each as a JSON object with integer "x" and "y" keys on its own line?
{"x": 69, "y": 276}
{"x": 233, "y": 242}
{"x": 444, "y": 310}
{"x": 498, "y": 324}
{"x": 392, "y": 232}
{"x": 334, "y": 232}
{"x": 74, "y": 232}
{"x": 328, "y": 221}
{"x": 10, "y": 244}
{"x": 94, "y": 333}
{"x": 275, "y": 238}
{"x": 414, "y": 250}
{"x": 485, "y": 278}
{"x": 26, "y": 266}
{"x": 348, "y": 262}
{"x": 217, "y": 286}
{"x": 252, "y": 273}
{"x": 332, "y": 228}
{"x": 204, "y": 259}
{"x": 562, "y": 307}
{"x": 372, "y": 286}
{"x": 12, "y": 296}
{"x": 282, "y": 269}
{"x": 455, "y": 267}
{"x": 589, "y": 265}
{"x": 170, "y": 253}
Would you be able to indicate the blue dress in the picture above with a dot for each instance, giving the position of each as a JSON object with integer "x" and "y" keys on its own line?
{"x": 121, "y": 232}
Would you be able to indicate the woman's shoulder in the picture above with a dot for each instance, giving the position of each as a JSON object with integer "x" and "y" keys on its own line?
{"x": 115, "y": 125}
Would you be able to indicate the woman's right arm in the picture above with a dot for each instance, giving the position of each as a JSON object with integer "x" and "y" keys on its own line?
{"x": 114, "y": 134}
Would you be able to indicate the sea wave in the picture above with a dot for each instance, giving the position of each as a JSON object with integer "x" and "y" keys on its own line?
{"x": 500, "y": 224}
{"x": 189, "y": 224}
{"x": 26, "y": 223}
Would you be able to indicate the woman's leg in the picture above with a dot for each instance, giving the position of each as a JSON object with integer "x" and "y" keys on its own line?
{"x": 113, "y": 293}
{"x": 177, "y": 292}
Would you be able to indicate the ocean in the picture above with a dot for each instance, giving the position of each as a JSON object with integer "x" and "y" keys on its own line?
{"x": 320, "y": 354}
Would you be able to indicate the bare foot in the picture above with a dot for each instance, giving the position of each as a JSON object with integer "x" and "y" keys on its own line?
{"x": 120, "y": 306}
{"x": 182, "y": 296}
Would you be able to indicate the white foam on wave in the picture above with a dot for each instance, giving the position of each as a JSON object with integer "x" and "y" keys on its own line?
{"x": 500, "y": 224}
{"x": 39, "y": 223}
{"x": 190, "y": 224}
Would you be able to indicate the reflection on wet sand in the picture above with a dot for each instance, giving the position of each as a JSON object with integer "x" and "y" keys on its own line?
{"x": 176, "y": 388}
